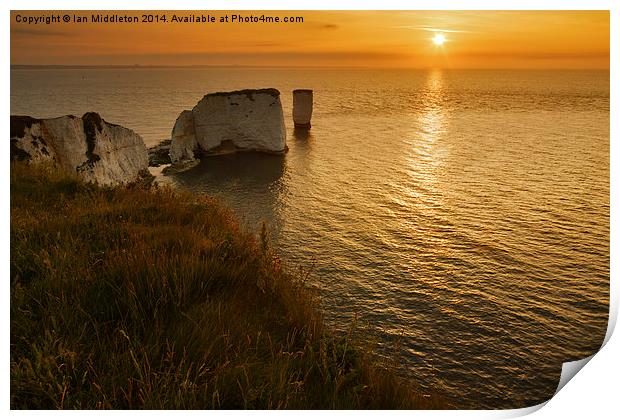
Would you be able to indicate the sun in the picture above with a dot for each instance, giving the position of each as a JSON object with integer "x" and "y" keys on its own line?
{"x": 439, "y": 39}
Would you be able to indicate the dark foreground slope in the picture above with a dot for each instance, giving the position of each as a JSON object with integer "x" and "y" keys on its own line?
{"x": 127, "y": 298}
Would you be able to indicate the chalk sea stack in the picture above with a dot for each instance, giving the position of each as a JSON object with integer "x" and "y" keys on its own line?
{"x": 97, "y": 150}
{"x": 228, "y": 122}
{"x": 302, "y": 107}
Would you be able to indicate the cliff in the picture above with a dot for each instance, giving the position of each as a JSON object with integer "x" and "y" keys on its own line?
{"x": 133, "y": 298}
{"x": 99, "y": 151}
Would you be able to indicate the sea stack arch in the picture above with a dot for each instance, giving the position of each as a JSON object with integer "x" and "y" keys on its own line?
{"x": 228, "y": 122}
{"x": 302, "y": 107}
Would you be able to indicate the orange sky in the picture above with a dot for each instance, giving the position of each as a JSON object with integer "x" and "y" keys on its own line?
{"x": 475, "y": 39}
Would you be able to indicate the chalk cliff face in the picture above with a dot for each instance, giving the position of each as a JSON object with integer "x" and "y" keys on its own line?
{"x": 101, "y": 152}
{"x": 302, "y": 107}
{"x": 226, "y": 122}
{"x": 183, "y": 142}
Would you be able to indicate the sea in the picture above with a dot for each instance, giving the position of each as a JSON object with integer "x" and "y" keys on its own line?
{"x": 459, "y": 218}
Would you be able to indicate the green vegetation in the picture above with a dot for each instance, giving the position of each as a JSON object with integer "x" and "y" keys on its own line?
{"x": 132, "y": 298}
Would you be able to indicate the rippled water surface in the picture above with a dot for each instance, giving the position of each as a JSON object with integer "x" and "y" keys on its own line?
{"x": 463, "y": 215}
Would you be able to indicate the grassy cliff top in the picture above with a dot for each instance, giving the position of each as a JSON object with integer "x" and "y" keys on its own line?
{"x": 131, "y": 298}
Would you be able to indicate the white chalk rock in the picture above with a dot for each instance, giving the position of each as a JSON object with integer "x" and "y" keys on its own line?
{"x": 101, "y": 152}
{"x": 27, "y": 142}
{"x": 183, "y": 141}
{"x": 302, "y": 107}
{"x": 227, "y": 122}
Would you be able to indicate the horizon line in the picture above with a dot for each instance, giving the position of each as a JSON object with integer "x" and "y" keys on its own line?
{"x": 154, "y": 66}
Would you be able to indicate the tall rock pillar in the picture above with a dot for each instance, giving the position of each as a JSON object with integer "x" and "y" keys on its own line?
{"x": 302, "y": 107}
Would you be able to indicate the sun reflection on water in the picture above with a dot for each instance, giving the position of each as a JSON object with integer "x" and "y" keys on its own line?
{"x": 432, "y": 120}
{"x": 427, "y": 151}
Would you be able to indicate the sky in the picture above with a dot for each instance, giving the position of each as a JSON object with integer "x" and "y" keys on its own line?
{"x": 399, "y": 39}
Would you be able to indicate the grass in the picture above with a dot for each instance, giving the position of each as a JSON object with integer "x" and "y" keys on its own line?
{"x": 125, "y": 298}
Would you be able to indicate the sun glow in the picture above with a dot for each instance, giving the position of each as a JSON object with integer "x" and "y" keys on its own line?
{"x": 337, "y": 38}
{"x": 439, "y": 39}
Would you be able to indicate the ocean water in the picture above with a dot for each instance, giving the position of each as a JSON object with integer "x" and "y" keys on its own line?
{"x": 461, "y": 216}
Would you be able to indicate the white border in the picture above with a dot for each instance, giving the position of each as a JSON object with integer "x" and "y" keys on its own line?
{"x": 313, "y": 5}
{"x": 591, "y": 394}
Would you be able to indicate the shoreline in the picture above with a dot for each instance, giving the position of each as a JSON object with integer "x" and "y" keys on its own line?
{"x": 162, "y": 285}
